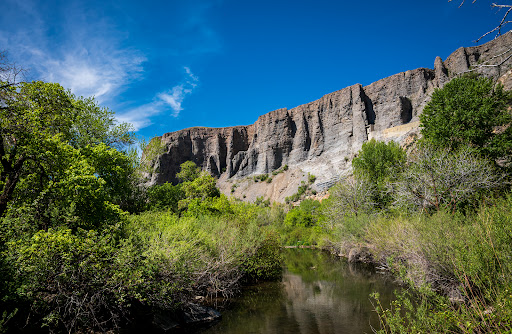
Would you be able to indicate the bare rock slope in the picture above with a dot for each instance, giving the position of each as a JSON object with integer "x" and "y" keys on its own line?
{"x": 323, "y": 136}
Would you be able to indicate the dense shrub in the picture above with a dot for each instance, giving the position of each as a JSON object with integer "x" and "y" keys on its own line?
{"x": 165, "y": 196}
{"x": 306, "y": 214}
{"x": 70, "y": 281}
{"x": 470, "y": 111}
{"x": 437, "y": 179}
{"x": 462, "y": 259}
{"x": 379, "y": 163}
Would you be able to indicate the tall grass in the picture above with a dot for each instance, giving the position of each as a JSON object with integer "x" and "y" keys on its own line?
{"x": 460, "y": 268}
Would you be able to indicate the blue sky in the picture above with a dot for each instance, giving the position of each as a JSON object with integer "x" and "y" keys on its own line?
{"x": 169, "y": 65}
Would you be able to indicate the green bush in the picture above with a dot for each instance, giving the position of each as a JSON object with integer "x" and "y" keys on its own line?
{"x": 165, "y": 196}
{"x": 265, "y": 262}
{"x": 305, "y": 215}
{"x": 297, "y": 217}
{"x": 261, "y": 177}
{"x": 378, "y": 163}
{"x": 71, "y": 281}
{"x": 280, "y": 170}
{"x": 188, "y": 172}
{"x": 470, "y": 111}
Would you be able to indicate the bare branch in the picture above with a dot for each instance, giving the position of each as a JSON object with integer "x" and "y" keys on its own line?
{"x": 10, "y": 72}
{"x": 502, "y": 23}
{"x": 438, "y": 178}
{"x": 462, "y": 2}
{"x": 489, "y": 62}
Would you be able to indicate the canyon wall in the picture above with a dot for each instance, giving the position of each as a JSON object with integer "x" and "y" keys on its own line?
{"x": 323, "y": 136}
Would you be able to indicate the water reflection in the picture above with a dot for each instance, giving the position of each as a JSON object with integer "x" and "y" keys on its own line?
{"x": 318, "y": 294}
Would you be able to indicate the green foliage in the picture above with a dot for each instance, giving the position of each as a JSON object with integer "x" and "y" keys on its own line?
{"x": 301, "y": 190}
{"x": 350, "y": 197}
{"x": 213, "y": 206}
{"x": 305, "y": 215}
{"x": 377, "y": 160}
{"x": 71, "y": 259}
{"x": 118, "y": 170}
{"x": 67, "y": 279}
{"x": 265, "y": 262}
{"x": 43, "y": 130}
{"x": 379, "y": 163}
{"x": 465, "y": 257}
{"x": 90, "y": 279}
{"x": 261, "y": 201}
{"x": 470, "y": 110}
{"x": 188, "y": 172}
{"x": 297, "y": 217}
{"x": 201, "y": 187}
{"x": 196, "y": 186}
{"x": 261, "y": 177}
{"x": 150, "y": 152}
{"x": 69, "y": 193}
{"x": 280, "y": 170}
{"x": 165, "y": 196}
{"x": 440, "y": 179}
{"x": 301, "y": 224}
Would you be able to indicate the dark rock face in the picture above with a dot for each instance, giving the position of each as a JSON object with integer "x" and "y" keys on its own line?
{"x": 322, "y": 136}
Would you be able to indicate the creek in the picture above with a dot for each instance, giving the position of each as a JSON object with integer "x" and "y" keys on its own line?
{"x": 318, "y": 293}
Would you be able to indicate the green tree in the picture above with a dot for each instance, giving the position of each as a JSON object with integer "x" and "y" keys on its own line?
{"x": 119, "y": 171}
{"x": 64, "y": 188}
{"x": 378, "y": 162}
{"x": 306, "y": 214}
{"x": 188, "y": 172}
{"x": 34, "y": 116}
{"x": 202, "y": 187}
{"x": 165, "y": 196}
{"x": 470, "y": 110}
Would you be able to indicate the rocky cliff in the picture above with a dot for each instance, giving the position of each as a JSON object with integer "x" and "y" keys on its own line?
{"x": 321, "y": 137}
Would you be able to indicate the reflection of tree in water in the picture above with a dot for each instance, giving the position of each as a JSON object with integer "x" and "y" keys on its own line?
{"x": 318, "y": 294}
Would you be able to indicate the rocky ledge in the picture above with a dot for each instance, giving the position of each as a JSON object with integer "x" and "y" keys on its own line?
{"x": 323, "y": 136}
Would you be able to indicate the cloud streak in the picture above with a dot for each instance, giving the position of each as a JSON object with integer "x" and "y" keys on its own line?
{"x": 171, "y": 99}
{"x": 87, "y": 48}
{"x": 81, "y": 53}
{"x": 175, "y": 96}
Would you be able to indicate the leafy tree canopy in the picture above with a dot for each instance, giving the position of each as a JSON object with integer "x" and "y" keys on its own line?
{"x": 188, "y": 172}
{"x": 201, "y": 187}
{"x": 376, "y": 160}
{"x": 40, "y": 126}
{"x": 470, "y": 110}
{"x": 377, "y": 164}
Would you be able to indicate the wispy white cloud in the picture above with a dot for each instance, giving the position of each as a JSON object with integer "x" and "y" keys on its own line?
{"x": 171, "y": 99}
{"x": 74, "y": 45}
{"x": 94, "y": 73}
{"x": 140, "y": 117}
{"x": 175, "y": 96}
{"x": 81, "y": 53}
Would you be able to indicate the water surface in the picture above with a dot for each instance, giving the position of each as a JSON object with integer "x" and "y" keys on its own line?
{"x": 319, "y": 293}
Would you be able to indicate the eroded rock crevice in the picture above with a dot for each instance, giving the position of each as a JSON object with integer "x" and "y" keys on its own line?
{"x": 320, "y": 136}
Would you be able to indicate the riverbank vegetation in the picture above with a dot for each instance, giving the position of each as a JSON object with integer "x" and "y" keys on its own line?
{"x": 439, "y": 217}
{"x": 85, "y": 246}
